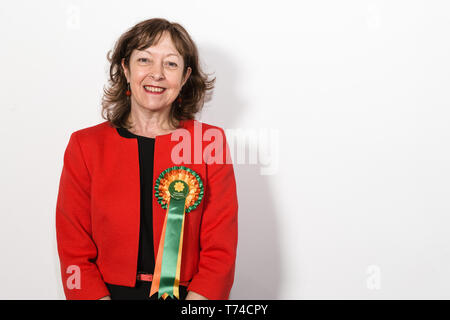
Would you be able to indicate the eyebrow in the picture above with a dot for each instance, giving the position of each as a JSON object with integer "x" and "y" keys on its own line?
{"x": 169, "y": 54}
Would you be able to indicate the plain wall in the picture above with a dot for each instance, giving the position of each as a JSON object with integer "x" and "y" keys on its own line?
{"x": 354, "y": 95}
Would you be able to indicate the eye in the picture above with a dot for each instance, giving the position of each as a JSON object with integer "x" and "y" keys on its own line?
{"x": 172, "y": 64}
{"x": 143, "y": 59}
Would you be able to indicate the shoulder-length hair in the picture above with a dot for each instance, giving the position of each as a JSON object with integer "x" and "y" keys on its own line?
{"x": 116, "y": 105}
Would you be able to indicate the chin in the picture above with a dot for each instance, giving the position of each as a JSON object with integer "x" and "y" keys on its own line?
{"x": 153, "y": 107}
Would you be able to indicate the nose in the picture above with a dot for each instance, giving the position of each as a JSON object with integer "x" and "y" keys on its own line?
{"x": 156, "y": 72}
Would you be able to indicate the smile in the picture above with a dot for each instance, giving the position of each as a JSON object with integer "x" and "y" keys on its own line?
{"x": 154, "y": 90}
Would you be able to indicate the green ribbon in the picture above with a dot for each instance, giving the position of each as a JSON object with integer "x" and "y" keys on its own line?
{"x": 175, "y": 215}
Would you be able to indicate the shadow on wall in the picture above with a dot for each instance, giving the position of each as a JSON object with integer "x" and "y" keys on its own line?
{"x": 258, "y": 258}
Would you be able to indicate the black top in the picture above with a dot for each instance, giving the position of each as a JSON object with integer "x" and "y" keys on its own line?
{"x": 146, "y": 145}
{"x": 146, "y": 256}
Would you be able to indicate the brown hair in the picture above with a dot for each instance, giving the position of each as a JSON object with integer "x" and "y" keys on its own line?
{"x": 116, "y": 105}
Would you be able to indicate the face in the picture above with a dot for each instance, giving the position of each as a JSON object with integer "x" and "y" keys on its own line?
{"x": 150, "y": 70}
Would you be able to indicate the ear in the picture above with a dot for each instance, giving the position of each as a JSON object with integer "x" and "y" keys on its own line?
{"x": 125, "y": 69}
{"x": 186, "y": 77}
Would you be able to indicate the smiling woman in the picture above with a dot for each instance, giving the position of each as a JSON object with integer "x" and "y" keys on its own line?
{"x": 132, "y": 222}
{"x": 156, "y": 75}
{"x": 158, "y": 64}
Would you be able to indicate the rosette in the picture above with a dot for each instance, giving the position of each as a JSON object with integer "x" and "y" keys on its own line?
{"x": 179, "y": 190}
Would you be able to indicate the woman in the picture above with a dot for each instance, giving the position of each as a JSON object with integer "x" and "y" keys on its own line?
{"x": 147, "y": 204}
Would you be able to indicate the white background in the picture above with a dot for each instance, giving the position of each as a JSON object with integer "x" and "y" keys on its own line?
{"x": 357, "y": 91}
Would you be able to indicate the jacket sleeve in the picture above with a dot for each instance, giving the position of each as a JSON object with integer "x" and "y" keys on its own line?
{"x": 77, "y": 252}
{"x": 218, "y": 231}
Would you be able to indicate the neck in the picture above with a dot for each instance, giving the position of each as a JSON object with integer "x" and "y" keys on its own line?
{"x": 150, "y": 123}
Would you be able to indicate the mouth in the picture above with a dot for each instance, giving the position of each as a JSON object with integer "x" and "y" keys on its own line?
{"x": 154, "y": 89}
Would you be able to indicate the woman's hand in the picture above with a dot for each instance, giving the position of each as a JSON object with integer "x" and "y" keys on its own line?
{"x": 195, "y": 296}
{"x": 105, "y": 298}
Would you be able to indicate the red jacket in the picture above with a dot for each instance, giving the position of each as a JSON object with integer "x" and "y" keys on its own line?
{"x": 98, "y": 212}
